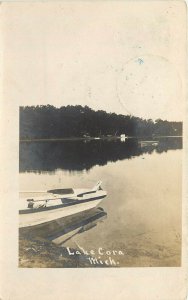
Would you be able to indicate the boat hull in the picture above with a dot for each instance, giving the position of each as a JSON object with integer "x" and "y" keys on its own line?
{"x": 35, "y": 217}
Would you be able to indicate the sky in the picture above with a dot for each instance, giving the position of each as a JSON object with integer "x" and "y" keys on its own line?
{"x": 125, "y": 57}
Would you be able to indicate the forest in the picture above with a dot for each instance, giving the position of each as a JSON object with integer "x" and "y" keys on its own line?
{"x": 47, "y": 122}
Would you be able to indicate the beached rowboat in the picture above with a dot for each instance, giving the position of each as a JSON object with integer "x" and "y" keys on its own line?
{"x": 59, "y": 203}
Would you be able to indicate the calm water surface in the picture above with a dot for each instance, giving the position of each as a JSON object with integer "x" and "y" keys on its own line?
{"x": 143, "y": 205}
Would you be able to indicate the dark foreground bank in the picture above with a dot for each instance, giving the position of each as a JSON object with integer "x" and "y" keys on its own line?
{"x": 39, "y": 253}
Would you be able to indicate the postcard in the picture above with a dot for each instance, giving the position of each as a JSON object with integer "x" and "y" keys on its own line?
{"x": 93, "y": 124}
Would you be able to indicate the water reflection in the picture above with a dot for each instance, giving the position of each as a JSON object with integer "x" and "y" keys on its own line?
{"x": 81, "y": 155}
{"x": 61, "y": 230}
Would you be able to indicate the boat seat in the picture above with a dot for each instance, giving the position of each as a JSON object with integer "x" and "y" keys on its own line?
{"x": 61, "y": 191}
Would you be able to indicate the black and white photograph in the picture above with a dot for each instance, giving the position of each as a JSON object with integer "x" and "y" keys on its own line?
{"x": 100, "y": 132}
{"x": 93, "y": 124}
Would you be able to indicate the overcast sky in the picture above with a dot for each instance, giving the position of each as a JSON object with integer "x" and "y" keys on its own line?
{"x": 123, "y": 57}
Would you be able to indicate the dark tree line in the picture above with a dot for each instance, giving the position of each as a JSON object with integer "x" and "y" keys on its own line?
{"x": 77, "y": 121}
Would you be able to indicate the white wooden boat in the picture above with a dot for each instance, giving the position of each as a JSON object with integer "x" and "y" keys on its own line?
{"x": 148, "y": 143}
{"x": 59, "y": 203}
{"x": 63, "y": 229}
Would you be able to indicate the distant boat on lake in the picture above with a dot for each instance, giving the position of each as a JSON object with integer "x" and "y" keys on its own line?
{"x": 148, "y": 143}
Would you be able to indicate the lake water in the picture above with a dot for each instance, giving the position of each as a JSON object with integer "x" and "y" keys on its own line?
{"x": 142, "y": 212}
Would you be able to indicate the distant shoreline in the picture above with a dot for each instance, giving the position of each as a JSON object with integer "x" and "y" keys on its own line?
{"x": 95, "y": 138}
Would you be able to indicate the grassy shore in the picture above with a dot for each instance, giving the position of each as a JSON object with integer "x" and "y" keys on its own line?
{"x": 43, "y": 254}
{"x": 39, "y": 253}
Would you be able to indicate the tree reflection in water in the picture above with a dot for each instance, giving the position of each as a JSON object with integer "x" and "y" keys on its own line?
{"x": 83, "y": 155}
